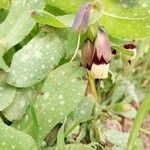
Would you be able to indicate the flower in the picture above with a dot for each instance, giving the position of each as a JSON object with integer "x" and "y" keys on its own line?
{"x": 87, "y": 53}
{"x": 101, "y": 55}
{"x": 82, "y": 18}
{"x": 96, "y": 56}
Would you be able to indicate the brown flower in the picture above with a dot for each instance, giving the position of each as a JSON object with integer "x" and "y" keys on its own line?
{"x": 87, "y": 53}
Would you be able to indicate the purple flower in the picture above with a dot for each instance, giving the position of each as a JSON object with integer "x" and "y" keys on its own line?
{"x": 82, "y": 18}
{"x": 96, "y": 57}
{"x": 101, "y": 56}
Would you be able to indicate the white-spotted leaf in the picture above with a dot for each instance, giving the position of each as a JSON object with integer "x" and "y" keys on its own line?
{"x": 62, "y": 92}
{"x": 35, "y": 60}
{"x": 7, "y": 94}
{"x": 18, "y": 107}
{"x": 19, "y": 22}
{"x": 12, "y": 139}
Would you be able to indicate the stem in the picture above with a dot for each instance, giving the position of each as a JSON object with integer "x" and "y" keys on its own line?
{"x": 77, "y": 48}
{"x": 145, "y": 131}
{"x": 92, "y": 86}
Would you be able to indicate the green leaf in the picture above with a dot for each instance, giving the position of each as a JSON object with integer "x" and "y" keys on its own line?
{"x": 85, "y": 109}
{"x": 46, "y": 18}
{"x": 11, "y": 139}
{"x": 71, "y": 44}
{"x": 7, "y": 94}
{"x": 36, "y": 59}
{"x": 18, "y": 107}
{"x": 3, "y": 14}
{"x": 69, "y": 6}
{"x": 117, "y": 137}
{"x": 125, "y": 110}
{"x": 18, "y": 23}
{"x": 123, "y": 50}
{"x": 5, "y": 4}
{"x": 142, "y": 112}
{"x": 62, "y": 92}
{"x": 127, "y": 19}
{"x": 60, "y": 138}
{"x": 75, "y": 147}
{"x": 3, "y": 65}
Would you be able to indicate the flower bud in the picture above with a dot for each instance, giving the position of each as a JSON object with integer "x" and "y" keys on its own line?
{"x": 87, "y": 53}
{"x": 82, "y": 18}
{"x": 101, "y": 56}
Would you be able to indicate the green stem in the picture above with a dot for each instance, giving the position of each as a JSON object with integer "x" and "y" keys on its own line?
{"x": 77, "y": 48}
{"x": 92, "y": 86}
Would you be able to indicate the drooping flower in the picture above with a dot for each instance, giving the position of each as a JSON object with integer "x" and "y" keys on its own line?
{"x": 82, "y": 18}
{"x": 96, "y": 56}
{"x": 101, "y": 55}
{"x": 87, "y": 53}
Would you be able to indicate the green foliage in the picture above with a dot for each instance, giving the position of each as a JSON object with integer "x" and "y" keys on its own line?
{"x": 126, "y": 19}
{"x": 7, "y": 94}
{"x": 46, "y": 99}
{"x": 32, "y": 63}
{"x": 12, "y": 139}
{"x": 68, "y": 6}
{"x": 46, "y": 18}
{"x": 142, "y": 112}
{"x": 18, "y": 23}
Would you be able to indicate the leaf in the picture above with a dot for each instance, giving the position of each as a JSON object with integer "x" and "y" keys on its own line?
{"x": 7, "y": 94}
{"x": 118, "y": 93}
{"x": 18, "y": 107}
{"x": 3, "y": 14}
{"x": 35, "y": 60}
{"x": 62, "y": 92}
{"x": 75, "y": 147}
{"x": 69, "y": 6}
{"x": 117, "y": 137}
{"x": 18, "y": 23}
{"x": 127, "y": 19}
{"x": 60, "y": 137}
{"x": 125, "y": 110}
{"x": 71, "y": 44}
{"x": 3, "y": 65}
{"x": 5, "y": 4}
{"x": 11, "y": 139}
{"x": 142, "y": 112}
{"x": 85, "y": 109}
{"x": 46, "y": 18}
{"x": 123, "y": 50}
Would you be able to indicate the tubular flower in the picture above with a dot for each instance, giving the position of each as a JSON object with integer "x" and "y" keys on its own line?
{"x": 82, "y": 18}
{"x": 101, "y": 56}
